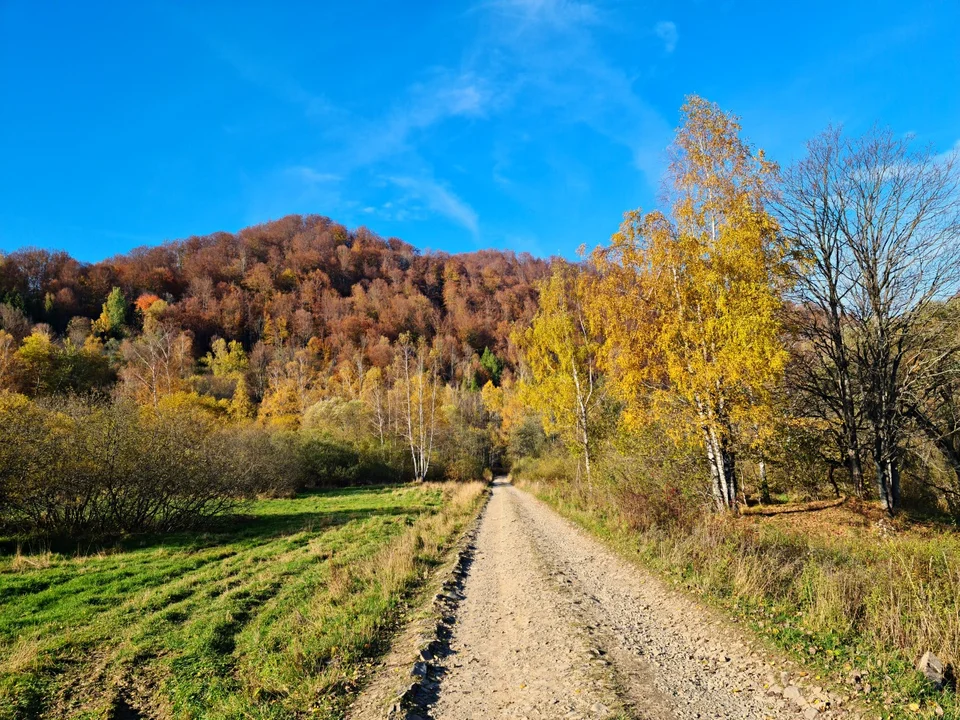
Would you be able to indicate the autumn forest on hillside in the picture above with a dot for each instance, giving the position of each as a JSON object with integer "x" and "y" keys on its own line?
{"x": 769, "y": 343}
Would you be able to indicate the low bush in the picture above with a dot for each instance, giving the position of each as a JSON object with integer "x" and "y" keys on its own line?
{"x": 553, "y": 467}
{"x": 95, "y": 466}
{"x": 328, "y": 462}
{"x": 82, "y": 467}
{"x": 466, "y": 456}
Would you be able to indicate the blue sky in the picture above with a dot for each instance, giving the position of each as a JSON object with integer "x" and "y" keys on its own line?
{"x": 523, "y": 124}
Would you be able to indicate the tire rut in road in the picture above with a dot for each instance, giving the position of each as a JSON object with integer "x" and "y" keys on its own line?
{"x": 516, "y": 651}
{"x": 548, "y": 623}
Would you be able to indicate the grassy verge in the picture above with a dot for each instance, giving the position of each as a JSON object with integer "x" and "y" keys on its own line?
{"x": 845, "y": 603}
{"x": 275, "y": 615}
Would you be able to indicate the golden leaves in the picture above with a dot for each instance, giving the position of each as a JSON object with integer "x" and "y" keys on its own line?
{"x": 689, "y": 301}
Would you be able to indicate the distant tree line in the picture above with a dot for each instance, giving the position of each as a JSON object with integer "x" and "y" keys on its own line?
{"x": 160, "y": 389}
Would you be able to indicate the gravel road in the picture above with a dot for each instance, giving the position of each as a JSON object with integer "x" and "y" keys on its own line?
{"x": 554, "y": 625}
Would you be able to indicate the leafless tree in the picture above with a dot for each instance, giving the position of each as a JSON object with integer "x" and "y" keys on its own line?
{"x": 14, "y": 322}
{"x": 877, "y": 226}
{"x": 902, "y": 223}
{"x": 810, "y": 214}
{"x": 156, "y": 362}
{"x": 8, "y": 360}
{"x": 933, "y": 401}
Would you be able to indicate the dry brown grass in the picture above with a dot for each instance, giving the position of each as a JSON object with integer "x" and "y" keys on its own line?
{"x": 20, "y": 562}
{"x": 839, "y": 577}
{"x": 842, "y": 518}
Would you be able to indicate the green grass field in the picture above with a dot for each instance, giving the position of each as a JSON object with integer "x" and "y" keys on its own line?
{"x": 274, "y": 615}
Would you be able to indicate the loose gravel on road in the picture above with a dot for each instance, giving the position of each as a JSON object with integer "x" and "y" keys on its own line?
{"x": 515, "y": 651}
{"x": 552, "y": 624}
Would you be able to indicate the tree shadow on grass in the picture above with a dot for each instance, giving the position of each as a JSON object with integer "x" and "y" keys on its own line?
{"x": 241, "y": 526}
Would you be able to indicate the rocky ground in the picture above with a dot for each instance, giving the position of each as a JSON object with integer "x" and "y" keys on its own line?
{"x": 545, "y": 622}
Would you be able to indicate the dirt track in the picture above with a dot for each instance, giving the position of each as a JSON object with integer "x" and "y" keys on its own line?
{"x": 515, "y": 652}
{"x": 554, "y": 625}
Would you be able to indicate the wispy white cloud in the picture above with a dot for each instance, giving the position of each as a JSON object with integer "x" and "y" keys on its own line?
{"x": 556, "y": 14}
{"x": 426, "y": 104}
{"x": 270, "y": 79}
{"x": 364, "y": 144}
{"x": 951, "y": 153}
{"x": 541, "y": 59}
{"x": 440, "y": 200}
{"x": 545, "y": 55}
{"x": 311, "y": 176}
{"x": 666, "y": 30}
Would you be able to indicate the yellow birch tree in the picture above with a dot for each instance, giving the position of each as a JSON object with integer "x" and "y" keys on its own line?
{"x": 690, "y": 301}
{"x": 561, "y": 349}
